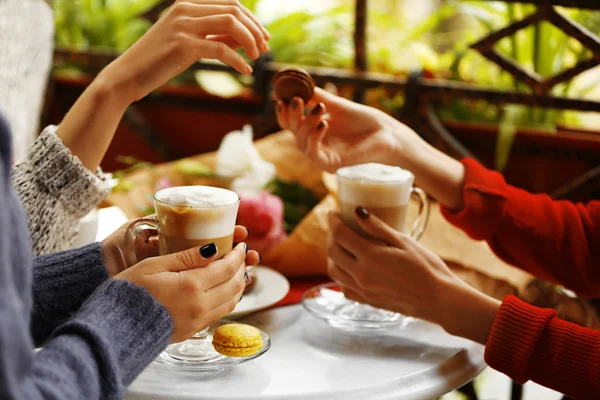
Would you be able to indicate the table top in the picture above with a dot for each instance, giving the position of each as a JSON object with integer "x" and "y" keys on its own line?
{"x": 311, "y": 360}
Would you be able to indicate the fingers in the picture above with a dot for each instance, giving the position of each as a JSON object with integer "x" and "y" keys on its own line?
{"x": 227, "y": 24}
{"x": 220, "y": 51}
{"x": 240, "y": 234}
{"x": 296, "y": 113}
{"x": 189, "y": 259}
{"x": 231, "y": 289}
{"x": 252, "y": 258}
{"x": 234, "y": 3}
{"x": 227, "y": 40}
{"x": 353, "y": 295}
{"x": 377, "y": 229}
{"x": 221, "y": 270}
{"x": 229, "y": 16}
{"x": 339, "y": 275}
{"x": 282, "y": 115}
{"x": 315, "y": 150}
{"x": 225, "y": 297}
{"x": 349, "y": 240}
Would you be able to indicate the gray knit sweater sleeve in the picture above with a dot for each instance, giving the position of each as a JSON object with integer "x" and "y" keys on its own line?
{"x": 62, "y": 282}
{"x": 56, "y": 191}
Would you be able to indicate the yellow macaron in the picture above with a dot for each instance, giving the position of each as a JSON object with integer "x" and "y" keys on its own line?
{"x": 237, "y": 340}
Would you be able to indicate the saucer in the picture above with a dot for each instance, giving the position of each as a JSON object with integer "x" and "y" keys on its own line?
{"x": 328, "y": 303}
{"x": 213, "y": 362}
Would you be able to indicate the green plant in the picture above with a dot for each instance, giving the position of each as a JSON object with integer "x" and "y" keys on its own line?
{"x": 541, "y": 48}
{"x": 297, "y": 201}
{"x": 100, "y": 24}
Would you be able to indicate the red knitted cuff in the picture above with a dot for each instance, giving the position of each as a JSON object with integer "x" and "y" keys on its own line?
{"x": 516, "y": 330}
{"x": 484, "y": 202}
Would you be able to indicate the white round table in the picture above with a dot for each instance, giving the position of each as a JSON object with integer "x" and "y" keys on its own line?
{"x": 310, "y": 360}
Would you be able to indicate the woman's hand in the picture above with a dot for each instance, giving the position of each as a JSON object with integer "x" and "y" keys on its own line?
{"x": 196, "y": 291}
{"x": 189, "y": 31}
{"x": 337, "y": 132}
{"x": 396, "y": 273}
{"x": 146, "y": 245}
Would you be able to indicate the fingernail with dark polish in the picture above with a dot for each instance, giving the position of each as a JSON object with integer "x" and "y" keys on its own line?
{"x": 241, "y": 297}
{"x": 317, "y": 109}
{"x": 259, "y": 257}
{"x": 208, "y": 251}
{"x": 246, "y": 246}
{"x": 294, "y": 104}
{"x": 321, "y": 125}
{"x": 362, "y": 213}
{"x": 248, "y": 231}
{"x": 246, "y": 277}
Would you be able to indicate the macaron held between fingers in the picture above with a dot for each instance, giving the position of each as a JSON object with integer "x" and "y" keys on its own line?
{"x": 293, "y": 82}
{"x": 237, "y": 340}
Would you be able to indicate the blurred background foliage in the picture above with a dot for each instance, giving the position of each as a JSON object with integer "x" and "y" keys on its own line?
{"x": 402, "y": 35}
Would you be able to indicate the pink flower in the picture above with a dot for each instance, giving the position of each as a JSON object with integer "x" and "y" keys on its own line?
{"x": 262, "y": 214}
{"x": 162, "y": 183}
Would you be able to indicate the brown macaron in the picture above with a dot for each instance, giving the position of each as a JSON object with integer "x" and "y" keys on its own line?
{"x": 293, "y": 82}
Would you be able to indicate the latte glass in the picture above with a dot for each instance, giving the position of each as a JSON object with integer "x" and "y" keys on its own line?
{"x": 385, "y": 192}
{"x": 186, "y": 217}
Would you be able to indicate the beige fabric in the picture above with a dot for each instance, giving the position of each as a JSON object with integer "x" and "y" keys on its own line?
{"x": 26, "y": 44}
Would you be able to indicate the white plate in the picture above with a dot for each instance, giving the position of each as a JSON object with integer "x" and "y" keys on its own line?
{"x": 270, "y": 288}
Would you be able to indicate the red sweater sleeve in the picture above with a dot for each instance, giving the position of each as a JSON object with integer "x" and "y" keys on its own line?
{"x": 530, "y": 343}
{"x": 558, "y": 241}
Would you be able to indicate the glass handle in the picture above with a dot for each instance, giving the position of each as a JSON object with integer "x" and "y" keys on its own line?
{"x": 422, "y": 220}
{"x": 134, "y": 230}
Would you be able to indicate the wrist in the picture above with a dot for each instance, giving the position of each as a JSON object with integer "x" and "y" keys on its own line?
{"x": 108, "y": 89}
{"x": 113, "y": 258}
{"x": 438, "y": 174}
{"x": 468, "y": 313}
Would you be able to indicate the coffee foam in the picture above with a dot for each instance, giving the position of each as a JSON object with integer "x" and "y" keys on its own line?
{"x": 197, "y": 196}
{"x": 374, "y": 185}
{"x": 196, "y": 212}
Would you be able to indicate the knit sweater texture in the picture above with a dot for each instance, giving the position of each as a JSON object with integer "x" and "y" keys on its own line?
{"x": 26, "y": 44}
{"x": 55, "y": 188}
{"x": 97, "y": 333}
{"x": 56, "y": 191}
{"x": 558, "y": 241}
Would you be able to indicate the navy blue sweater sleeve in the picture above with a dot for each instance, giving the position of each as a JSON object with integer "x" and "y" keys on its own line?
{"x": 61, "y": 283}
{"x": 97, "y": 352}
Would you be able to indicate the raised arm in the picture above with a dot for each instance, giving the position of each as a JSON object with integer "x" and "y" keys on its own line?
{"x": 59, "y": 182}
{"x": 558, "y": 241}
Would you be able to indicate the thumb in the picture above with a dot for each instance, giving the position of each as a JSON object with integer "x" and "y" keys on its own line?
{"x": 378, "y": 229}
{"x": 190, "y": 259}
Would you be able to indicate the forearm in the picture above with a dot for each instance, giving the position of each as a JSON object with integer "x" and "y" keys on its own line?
{"x": 62, "y": 282}
{"x": 94, "y": 355}
{"x": 467, "y": 313}
{"x": 89, "y": 126}
{"x": 435, "y": 172}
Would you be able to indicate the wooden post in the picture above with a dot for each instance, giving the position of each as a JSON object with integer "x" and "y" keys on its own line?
{"x": 360, "y": 45}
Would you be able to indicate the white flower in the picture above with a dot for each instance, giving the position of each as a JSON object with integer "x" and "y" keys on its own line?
{"x": 238, "y": 159}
